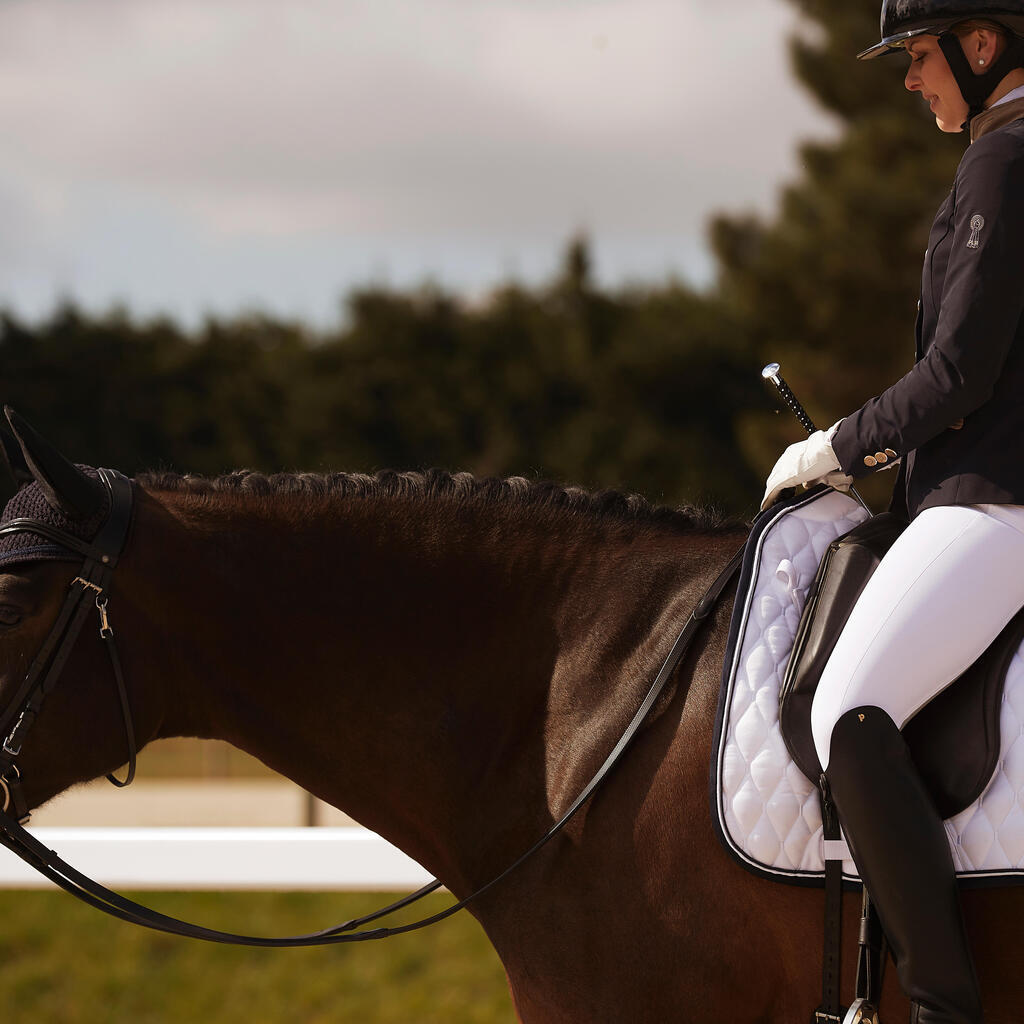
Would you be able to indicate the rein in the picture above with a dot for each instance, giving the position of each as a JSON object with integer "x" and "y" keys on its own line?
{"x": 101, "y": 558}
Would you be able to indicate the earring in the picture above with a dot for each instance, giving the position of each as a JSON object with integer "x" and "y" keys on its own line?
{"x": 982, "y": 62}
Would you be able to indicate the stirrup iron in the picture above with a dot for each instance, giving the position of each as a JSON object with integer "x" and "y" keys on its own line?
{"x": 861, "y": 1012}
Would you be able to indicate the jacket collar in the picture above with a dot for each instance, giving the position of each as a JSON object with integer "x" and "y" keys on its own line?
{"x": 996, "y": 117}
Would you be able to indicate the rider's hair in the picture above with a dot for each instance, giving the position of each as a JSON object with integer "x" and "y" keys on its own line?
{"x": 963, "y": 28}
{"x": 1003, "y": 35}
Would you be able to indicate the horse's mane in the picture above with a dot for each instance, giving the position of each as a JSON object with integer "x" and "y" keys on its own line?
{"x": 609, "y": 505}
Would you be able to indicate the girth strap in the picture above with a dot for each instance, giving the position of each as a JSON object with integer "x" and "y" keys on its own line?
{"x": 48, "y": 863}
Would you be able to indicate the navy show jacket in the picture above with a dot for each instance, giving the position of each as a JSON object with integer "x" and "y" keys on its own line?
{"x": 970, "y": 348}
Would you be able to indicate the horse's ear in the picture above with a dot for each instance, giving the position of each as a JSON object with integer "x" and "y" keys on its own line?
{"x": 66, "y": 488}
{"x": 14, "y": 460}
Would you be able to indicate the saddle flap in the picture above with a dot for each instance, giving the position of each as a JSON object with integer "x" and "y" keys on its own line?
{"x": 955, "y": 738}
{"x": 845, "y": 569}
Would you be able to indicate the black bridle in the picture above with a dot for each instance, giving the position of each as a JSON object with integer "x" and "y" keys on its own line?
{"x": 88, "y": 589}
{"x": 100, "y": 559}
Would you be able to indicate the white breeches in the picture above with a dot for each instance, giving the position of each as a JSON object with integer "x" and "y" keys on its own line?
{"x": 942, "y": 593}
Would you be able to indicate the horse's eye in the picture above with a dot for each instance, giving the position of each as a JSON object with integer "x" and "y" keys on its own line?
{"x": 9, "y": 615}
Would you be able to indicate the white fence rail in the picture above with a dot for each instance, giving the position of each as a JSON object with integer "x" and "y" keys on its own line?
{"x": 340, "y": 859}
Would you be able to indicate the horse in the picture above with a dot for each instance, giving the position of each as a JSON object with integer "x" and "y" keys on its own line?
{"x": 449, "y": 660}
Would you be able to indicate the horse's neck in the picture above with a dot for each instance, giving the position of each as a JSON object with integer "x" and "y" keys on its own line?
{"x": 421, "y": 668}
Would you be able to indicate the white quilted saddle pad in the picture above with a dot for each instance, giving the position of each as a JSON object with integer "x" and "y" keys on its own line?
{"x": 766, "y": 811}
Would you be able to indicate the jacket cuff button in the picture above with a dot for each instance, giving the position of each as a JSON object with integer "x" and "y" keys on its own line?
{"x": 890, "y": 453}
{"x": 870, "y": 461}
{"x": 881, "y": 458}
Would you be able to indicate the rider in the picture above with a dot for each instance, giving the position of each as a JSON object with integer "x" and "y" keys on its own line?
{"x": 953, "y": 579}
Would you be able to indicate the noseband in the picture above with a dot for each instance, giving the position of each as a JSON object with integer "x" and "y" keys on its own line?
{"x": 89, "y": 589}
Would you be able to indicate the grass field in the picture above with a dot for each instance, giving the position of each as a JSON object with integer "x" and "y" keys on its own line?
{"x": 64, "y": 963}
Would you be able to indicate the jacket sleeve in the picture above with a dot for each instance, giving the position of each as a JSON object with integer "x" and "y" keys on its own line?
{"x": 981, "y": 306}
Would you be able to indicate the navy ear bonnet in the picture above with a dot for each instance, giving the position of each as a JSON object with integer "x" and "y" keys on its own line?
{"x": 30, "y": 503}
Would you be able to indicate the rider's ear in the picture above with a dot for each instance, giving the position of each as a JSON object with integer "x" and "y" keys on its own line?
{"x": 66, "y": 488}
{"x": 14, "y": 460}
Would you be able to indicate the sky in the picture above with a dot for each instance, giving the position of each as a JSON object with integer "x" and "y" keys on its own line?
{"x": 187, "y": 157}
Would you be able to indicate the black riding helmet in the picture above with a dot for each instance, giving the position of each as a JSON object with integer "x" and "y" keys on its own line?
{"x": 904, "y": 19}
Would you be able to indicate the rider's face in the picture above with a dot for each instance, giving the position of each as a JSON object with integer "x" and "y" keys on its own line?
{"x": 929, "y": 74}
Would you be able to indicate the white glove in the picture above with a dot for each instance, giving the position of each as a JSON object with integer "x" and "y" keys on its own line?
{"x": 807, "y": 462}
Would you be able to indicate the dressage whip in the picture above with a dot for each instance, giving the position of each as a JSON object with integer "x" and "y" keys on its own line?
{"x": 862, "y": 1011}
{"x": 773, "y": 372}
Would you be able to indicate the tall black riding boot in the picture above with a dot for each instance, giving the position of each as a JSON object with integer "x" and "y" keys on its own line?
{"x": 902, "y": 852}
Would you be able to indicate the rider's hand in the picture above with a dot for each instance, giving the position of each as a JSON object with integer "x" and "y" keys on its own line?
{"x": 807, "y": 462}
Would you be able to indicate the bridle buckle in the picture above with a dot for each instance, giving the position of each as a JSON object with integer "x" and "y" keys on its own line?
{"x": 8, "y": 786}
{"x": 106, "y": 632}
{"x": 89, "y": 585}
{"x": 12, "y": 745}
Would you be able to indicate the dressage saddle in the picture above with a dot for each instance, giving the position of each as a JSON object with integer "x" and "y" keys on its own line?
{"x": 955, "y": 738}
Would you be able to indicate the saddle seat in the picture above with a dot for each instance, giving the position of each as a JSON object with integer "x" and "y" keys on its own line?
{"x": 955, "y": 738}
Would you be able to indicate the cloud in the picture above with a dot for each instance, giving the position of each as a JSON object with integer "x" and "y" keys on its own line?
{"x": 492, "y": 119}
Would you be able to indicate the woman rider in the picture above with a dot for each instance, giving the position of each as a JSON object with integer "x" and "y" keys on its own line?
{"x": 955, "y": 577}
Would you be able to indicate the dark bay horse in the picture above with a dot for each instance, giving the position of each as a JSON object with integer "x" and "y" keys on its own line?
{"x": 449, "y": 660}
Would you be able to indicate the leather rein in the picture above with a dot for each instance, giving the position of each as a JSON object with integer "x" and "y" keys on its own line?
{"x": 100, "y": 559}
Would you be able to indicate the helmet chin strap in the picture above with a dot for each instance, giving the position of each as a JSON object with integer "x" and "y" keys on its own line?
{"x": 975, "y": 89}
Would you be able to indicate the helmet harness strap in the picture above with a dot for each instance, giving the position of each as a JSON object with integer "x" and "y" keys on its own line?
{"x": 977, "y": 88}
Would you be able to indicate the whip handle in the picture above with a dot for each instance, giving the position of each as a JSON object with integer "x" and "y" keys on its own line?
{"x": 771, "y": 372}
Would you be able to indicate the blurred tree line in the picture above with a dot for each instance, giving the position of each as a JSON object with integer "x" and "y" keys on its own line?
{"x": 640, "y": 389}
{"x": 653, "y": 389}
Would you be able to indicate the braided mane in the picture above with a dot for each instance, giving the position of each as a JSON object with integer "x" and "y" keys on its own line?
{"x": 438, "y": 484}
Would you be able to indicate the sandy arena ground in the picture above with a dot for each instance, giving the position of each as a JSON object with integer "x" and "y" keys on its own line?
{"x": 170, "y": 802}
